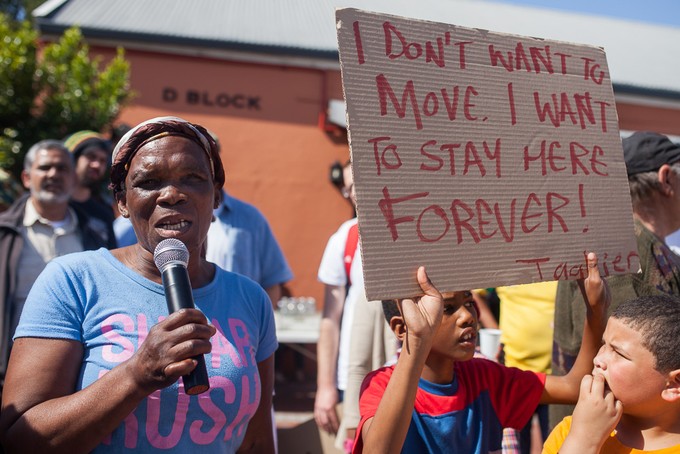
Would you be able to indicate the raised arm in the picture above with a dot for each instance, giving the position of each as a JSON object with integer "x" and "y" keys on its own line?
{"x": 386, "y": 431}
{"x": 43, "y": 412}
{"x": 565, "y": 389}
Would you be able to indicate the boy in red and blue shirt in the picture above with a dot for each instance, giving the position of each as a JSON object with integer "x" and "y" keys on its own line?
{"x": 460, "y": 404}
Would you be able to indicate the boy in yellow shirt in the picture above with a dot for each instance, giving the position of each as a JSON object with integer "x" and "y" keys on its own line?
{"x": 631, "y": 403}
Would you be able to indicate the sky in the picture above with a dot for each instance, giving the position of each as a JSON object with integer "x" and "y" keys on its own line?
{"x": 664, "y": 12}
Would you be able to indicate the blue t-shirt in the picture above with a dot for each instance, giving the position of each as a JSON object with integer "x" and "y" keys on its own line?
{"x": 125, "y": 234}
{"x": 240, "y": 240}
{"x": 94, "y": 299}
{"x": 467, "y": 415}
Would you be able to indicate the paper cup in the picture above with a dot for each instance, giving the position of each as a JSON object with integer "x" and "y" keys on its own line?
{"x": 489, "y": 342}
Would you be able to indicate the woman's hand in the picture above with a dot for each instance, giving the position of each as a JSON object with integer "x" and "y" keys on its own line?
{"x": 166, "y": 354}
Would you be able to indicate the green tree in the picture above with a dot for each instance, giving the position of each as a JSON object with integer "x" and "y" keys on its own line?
{"x": 17, "y": 86}
{"x": 55, "y": 91}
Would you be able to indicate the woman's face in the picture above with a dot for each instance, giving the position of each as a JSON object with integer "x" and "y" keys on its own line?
{"x": 170, "y": 193}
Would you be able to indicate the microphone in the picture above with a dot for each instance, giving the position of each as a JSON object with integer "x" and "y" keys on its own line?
{"x": 172, "y": 257}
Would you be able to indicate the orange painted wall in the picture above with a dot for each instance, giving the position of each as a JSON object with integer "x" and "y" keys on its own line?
{"x": 275, "y": 155}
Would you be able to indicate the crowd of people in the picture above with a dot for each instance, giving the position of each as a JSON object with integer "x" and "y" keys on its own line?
{"x": 91, "y": 360}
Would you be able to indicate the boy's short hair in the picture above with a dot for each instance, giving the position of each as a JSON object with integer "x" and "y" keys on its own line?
{"x": 390, "y": 309}
{"x": 657, "y": 318}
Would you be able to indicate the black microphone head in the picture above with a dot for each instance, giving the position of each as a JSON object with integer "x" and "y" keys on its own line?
{"x": 170, "y": 251}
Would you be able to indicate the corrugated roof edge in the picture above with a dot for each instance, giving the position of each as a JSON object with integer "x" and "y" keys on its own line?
{"x": 628, "y": 89}
{"x": 49, "y": 8}
{"x": 48, "y": 28}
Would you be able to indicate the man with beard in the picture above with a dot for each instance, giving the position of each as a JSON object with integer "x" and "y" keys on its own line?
{"x": 91, "y": 152}
{"x": 38, "y": 227}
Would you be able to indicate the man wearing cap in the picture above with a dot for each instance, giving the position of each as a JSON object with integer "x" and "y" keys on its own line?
{"x": 91, "y": 154}
{"x": 653, "y": 165}
{"x": 38, "y": 227}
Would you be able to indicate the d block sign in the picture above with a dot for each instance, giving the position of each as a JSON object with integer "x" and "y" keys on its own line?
{"x": 491, "y": 159}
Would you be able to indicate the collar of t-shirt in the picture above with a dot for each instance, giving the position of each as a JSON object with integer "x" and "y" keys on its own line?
{"x": 66, "y": 225}
{"x": 446, "y": 389}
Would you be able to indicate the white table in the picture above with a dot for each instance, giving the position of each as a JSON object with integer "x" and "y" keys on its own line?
{"x": 298, "y": 330}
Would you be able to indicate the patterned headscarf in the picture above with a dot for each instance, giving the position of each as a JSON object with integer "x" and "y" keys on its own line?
{"x": 154, "y": 129}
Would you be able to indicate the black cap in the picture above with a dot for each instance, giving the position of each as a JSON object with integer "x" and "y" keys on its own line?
{"x": 648, "y": 151}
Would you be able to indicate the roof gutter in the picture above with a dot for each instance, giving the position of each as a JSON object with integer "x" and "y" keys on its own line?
{"x": 272, "y": 54}
{"x": 47, "y": 28}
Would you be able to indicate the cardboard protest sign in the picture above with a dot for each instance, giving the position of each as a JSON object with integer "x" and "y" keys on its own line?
{"x": 491, "y": 159}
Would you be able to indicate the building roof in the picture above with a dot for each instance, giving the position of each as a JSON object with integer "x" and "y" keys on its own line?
{"x": 637, "y": 53}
